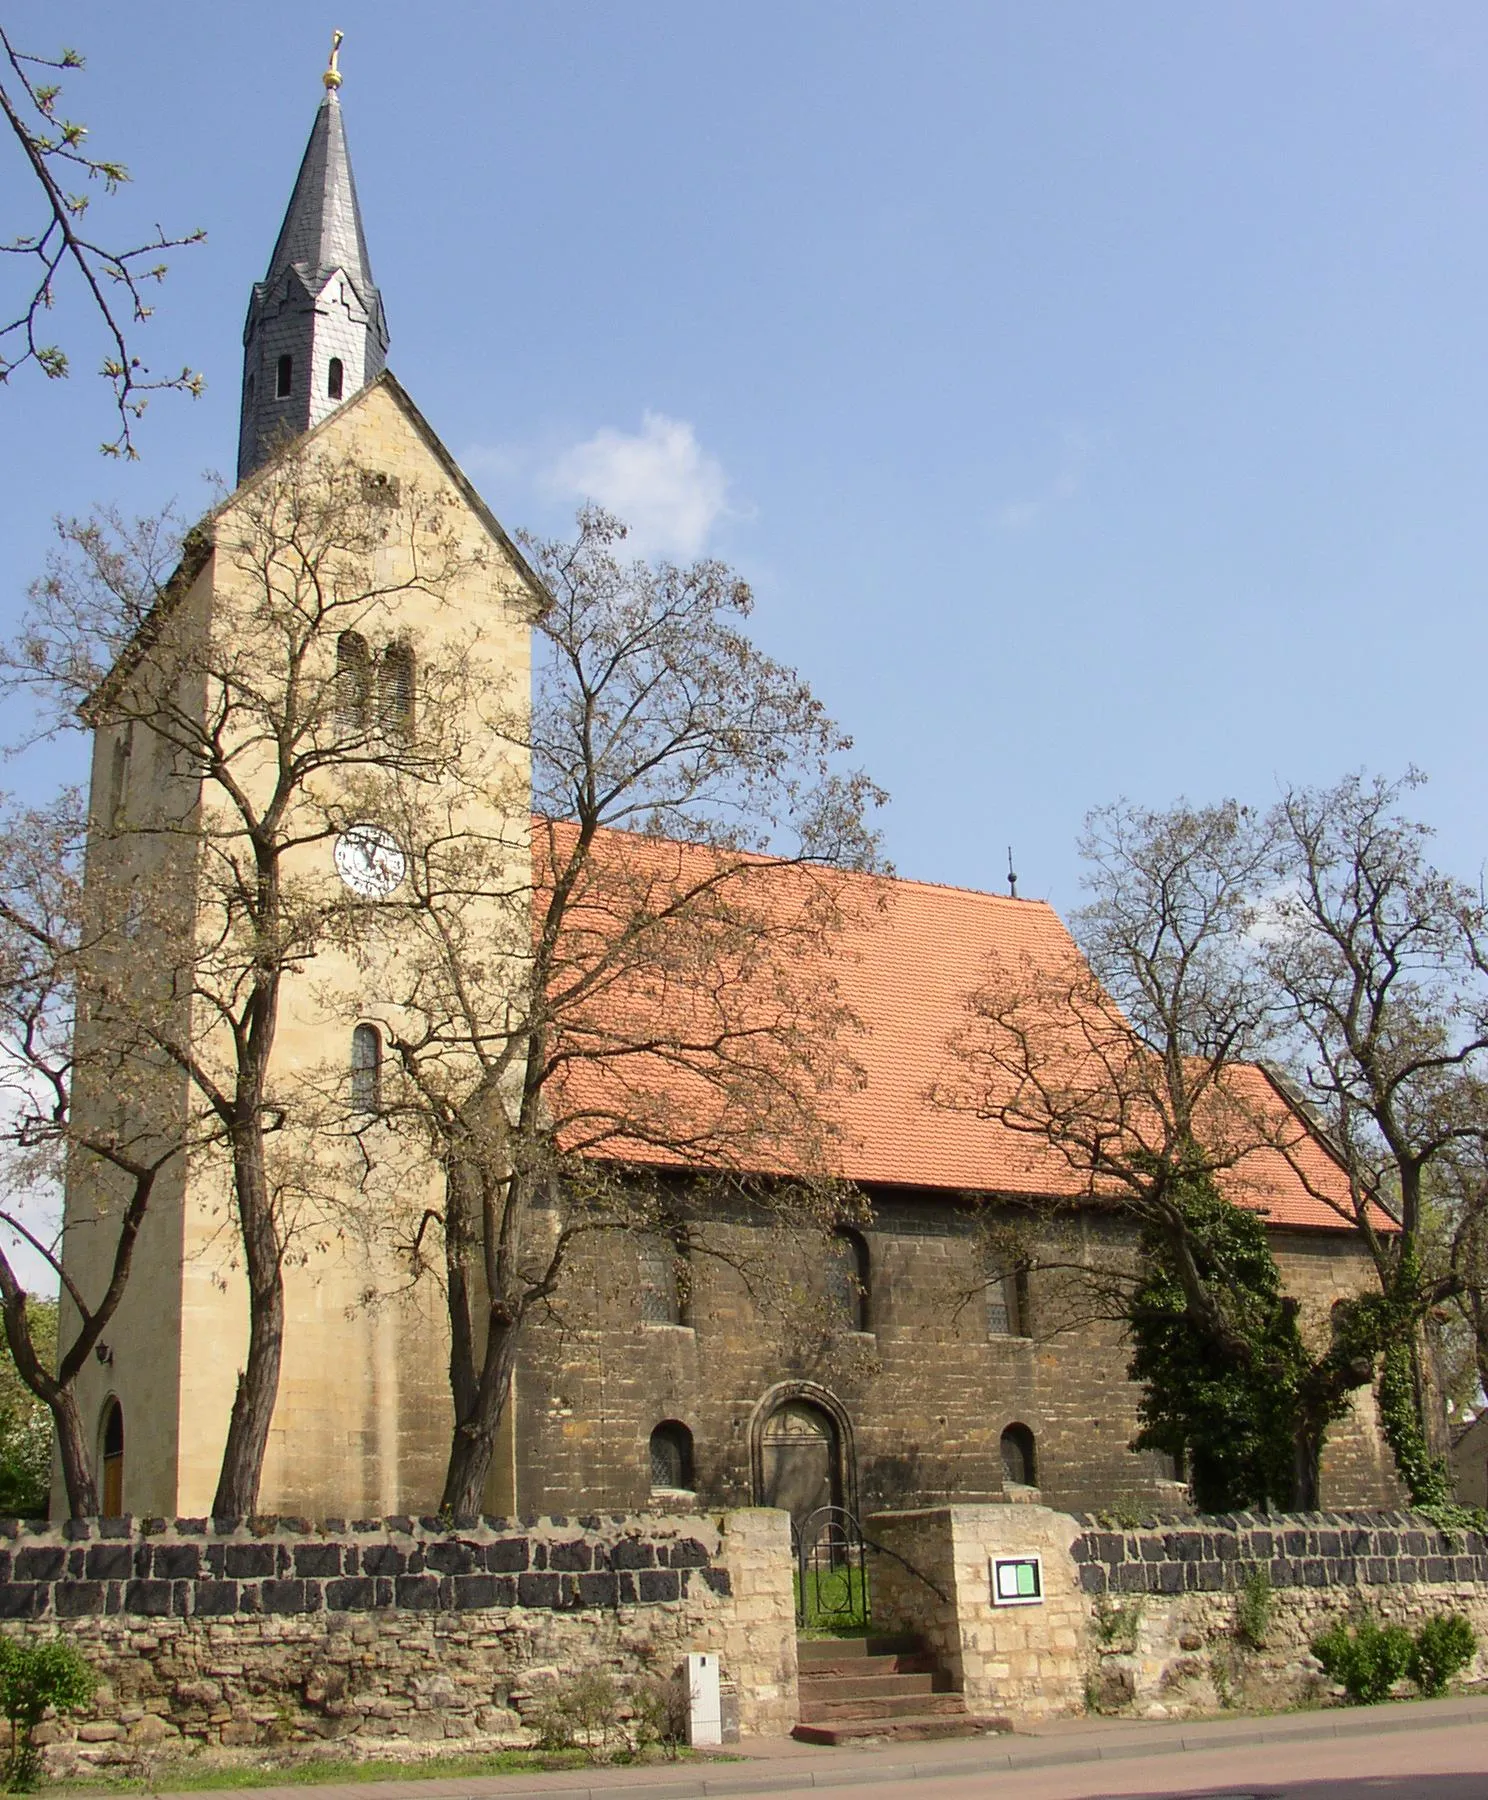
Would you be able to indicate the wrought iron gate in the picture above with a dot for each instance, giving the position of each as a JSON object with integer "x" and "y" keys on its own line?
{"x": 831, "y": 1571}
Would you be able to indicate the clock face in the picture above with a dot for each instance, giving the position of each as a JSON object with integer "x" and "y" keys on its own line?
{"x": 370, "y": 862}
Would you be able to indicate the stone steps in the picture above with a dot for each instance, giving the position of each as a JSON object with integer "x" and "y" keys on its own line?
{"x": 853, "y": 1689}
{"x": 900, "y": 1731}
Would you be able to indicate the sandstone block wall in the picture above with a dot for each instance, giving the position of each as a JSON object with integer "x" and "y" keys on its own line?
{"x": 392, "y": 1632}
{"x": 1028, "y": 1660}
{"x": 927, "y": 1389}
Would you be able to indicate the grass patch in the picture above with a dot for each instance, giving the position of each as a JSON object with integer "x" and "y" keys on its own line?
{"x": 188, "y": 1774}
{"x": 837, "y": 1602}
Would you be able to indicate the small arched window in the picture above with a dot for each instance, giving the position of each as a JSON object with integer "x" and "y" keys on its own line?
{"x": 112, "y": 1460}
{"x": 353, "y": 680}
{"x": 1019, "y": 1462}
{"x": 284, "y": 380}
{"x": 366, "y": 1069}
{"x": 848, "y": 1283}
{"x": 335, "y": 379}
{"x": 395, "y": 689}
{"x": 671, "y": 1457}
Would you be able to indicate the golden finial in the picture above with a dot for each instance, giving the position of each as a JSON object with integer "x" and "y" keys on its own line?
{"x": 332, "y": 76}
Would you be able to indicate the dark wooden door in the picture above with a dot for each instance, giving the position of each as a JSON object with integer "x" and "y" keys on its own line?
{"x": 800, "y": 1461}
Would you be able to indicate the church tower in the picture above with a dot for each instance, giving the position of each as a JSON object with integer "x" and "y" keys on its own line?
{"x": 315, "y": 333}
{"x": 434, "y": 622}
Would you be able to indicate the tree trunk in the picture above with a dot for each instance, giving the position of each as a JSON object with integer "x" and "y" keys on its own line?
{"x": 474, "y": 1442}
{"x": 1307, "y": 1466}
{"x": 77, "y": 1462}
{"x": 258, "y": 1381}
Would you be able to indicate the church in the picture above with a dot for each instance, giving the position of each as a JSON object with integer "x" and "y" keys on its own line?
{"x": 642, "y": 1389}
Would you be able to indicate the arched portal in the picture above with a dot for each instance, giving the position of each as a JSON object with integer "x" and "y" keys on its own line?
{"x": 802, "y": 1451}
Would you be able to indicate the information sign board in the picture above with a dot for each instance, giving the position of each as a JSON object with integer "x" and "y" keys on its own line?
{"x": 1017, "y": 1581}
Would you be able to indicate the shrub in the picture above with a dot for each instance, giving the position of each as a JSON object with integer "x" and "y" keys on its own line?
{"x": 594, "y": 1713}
{"x": 34, "y": 1677}
{"x": 1253, "y": 1609}
{"x": 1444, "y": 1645}
{"x": 1366, "y": 1662}
{"x": 1117, "y": 1622}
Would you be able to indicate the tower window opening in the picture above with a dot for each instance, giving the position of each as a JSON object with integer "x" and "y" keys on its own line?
{"x": 284, "y": 382}
{"x": 112, "y": 1460}
{"x": 353, "y": 681}
{"x": 366, "y": 1069}
{"x": 671, "y": 1457}
{"x": 250, "y": 390}
{"x": 395, "y": 690}
{"x": 1019, "y": 1461}
{"x": 119, "y": 761}
{"x": 335, "y": 379}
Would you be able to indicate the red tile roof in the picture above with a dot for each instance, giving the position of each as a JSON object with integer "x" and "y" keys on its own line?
{"x": 905, "y": 966}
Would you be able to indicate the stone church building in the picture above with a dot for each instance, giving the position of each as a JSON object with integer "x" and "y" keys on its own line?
{"x": 644, "y": 1389}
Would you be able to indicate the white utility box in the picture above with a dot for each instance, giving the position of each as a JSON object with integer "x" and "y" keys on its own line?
{"x": 704, "y": 1714}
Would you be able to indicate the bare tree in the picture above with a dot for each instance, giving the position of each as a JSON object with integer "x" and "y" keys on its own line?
{"x": 112, "y": 280}
{"x": 653, "y": 989}
{"x": 55, "y": 953}
{"x": 1135, "y": 1064}
{"x": 241, "y": 740}
{"x": 1378, "y": 960}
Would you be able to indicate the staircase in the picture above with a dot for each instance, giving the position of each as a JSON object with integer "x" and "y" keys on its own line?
{"x": 879, "y": 1687}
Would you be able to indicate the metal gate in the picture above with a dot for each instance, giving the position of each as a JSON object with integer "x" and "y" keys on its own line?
{"x": 831, "y": 1571}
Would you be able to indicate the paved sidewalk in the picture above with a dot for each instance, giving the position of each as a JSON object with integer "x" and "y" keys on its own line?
{"x": 780, "y": 1765}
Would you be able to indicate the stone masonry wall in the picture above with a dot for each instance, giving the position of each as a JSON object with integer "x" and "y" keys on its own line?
{"x": 391, "y": 1633}
{"x": 1147, "y": 1620}
{"x": 1166, "y": 1602}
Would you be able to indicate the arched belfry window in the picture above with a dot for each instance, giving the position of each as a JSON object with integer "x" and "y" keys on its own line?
{"x": 671, "y": 1457}
{"x": 335, "y": 378}
{"x": 395, "y": 689}
{"x": 284, "y": 378}
{"x": 111, "y": 1440}
{"x": 848, "y": 1279}
{"x": 1019, "y": 1459}
{"x": 353, "y": 680}
{"x": 366, "y": 1069}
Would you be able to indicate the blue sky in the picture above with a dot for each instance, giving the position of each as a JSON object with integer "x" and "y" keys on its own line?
{"x": 1095, "y": 396}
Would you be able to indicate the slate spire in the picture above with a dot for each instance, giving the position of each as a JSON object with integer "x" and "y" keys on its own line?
{"x": 315, "y": 333}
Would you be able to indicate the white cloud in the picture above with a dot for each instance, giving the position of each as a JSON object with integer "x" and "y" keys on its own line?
{"x": 659, "y": 480}
{"x": 1078, "y": 445}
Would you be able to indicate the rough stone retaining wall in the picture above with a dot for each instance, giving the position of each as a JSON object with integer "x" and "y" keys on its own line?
{"x": 1166, "y": 1601}
{"x": 392, "y": 1632}
{"x": 1147, "y": 1619}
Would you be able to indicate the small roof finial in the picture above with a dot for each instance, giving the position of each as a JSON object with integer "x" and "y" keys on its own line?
{"x": 332, "y": 76}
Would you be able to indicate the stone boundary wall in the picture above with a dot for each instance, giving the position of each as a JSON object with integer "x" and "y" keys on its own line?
{"x": 1147, "y": 1620}
{"x": 393, "y": 1634}
{"x": 1314, "y": 1550}
{"x": 197, "y": 1568}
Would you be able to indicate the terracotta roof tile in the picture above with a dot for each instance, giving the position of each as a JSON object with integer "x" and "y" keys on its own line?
{"x": 906, "y": 966}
